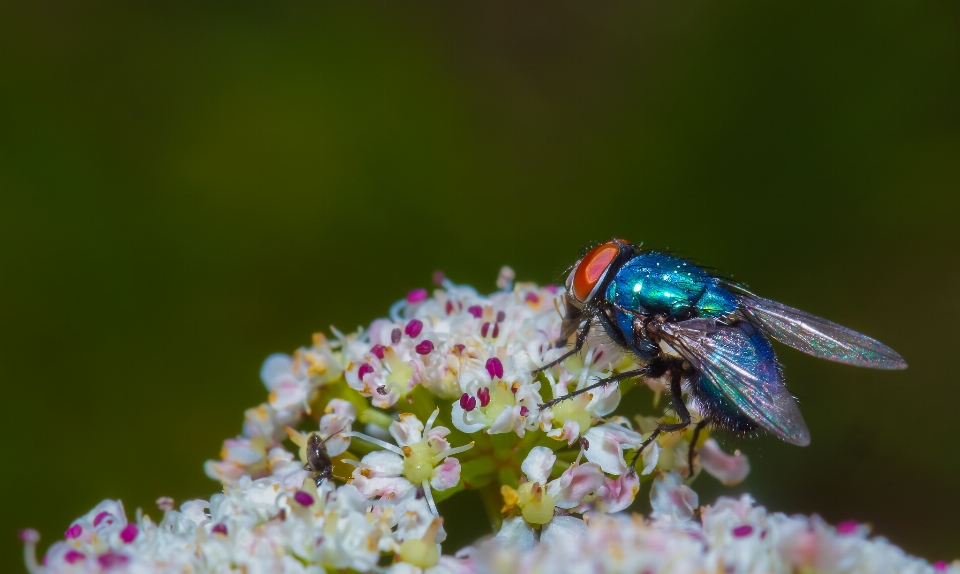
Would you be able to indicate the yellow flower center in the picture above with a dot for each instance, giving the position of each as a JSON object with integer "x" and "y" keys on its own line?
{"x": 418, "y": 462}
{"x": 535, "y": 504}
{"x": 501, "y": 397}
{"x": 418, "y": 553}
{"x": 400, "y": 373}
{"x": 422, "y": 552}
{"x": 574, "y": 410}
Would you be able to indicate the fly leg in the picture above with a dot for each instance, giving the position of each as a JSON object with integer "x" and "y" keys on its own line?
{"x": 682, "y": 412}
{"x": 602, "y": 382}
{"x": 693, "y": 443}
{"x": 581, "y": 339}
{"x": 327, "y": 474}
{"x": 319, "y": 479}
{"x": 572, "y": 318}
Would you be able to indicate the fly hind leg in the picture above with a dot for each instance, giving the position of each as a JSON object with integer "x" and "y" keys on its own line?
{"x": 676, "y": 395}
{"x": 693, "y": 443}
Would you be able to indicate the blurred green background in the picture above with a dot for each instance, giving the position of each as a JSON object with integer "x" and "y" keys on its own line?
{"x": 187, "y": 188}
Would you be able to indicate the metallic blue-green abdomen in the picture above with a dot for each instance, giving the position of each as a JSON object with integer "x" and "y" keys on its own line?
{"x": 655, "y": 283}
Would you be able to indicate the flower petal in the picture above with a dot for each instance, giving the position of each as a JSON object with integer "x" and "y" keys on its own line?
{"x": 650, "y": 456}
{"x": 538, "y": 464}
{"x": 505, "y": 421}
{"x": 446, "y": 475}
{"x": 564, "y": 531}
{"x": 468, "y": 422}
{"x": 436, "y": 438}
{"x": 728, "y": 469}
{"x": 336, "y": 424}
{"x": 619, "y": 493}
{"x": 671, "y": 499}
{"x": 287, "y": 391}
{"x": 382, "y": 463}
{"x": 607, "y": 443}
{"x": 408, "y": 430}
{"x": 605, "y": 400}
{"x": 389, "y": 487}
{"x": 515, "y": 532}
{"x": 273, "y": 367}
{"x": 575, "y": 483}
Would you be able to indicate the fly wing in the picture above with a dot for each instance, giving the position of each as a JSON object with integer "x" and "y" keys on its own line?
{"x": 819, "y": 337}
{"x": 739, "y": 361}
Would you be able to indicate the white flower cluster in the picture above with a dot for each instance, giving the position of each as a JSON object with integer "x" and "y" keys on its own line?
{"x": 362, "y": 436}
{"x": 730, "y": 536}
{"x": 253, "y": 526}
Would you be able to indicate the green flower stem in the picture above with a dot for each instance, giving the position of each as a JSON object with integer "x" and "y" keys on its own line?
{"x": 492, "y": 503}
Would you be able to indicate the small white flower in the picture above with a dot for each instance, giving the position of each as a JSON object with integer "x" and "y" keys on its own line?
{"x": 240, "y": 457}
{"x": 347, "y": 539}
{"x": 287, "y": 469}
{"x": 672, "y": 501}
{"x": 422, "y": 459}
{"x": 538, "y": 497}
{"x": 335, "y": 426}
{"x": 267, "y": 423}
{"x": 287, "y": 388}
{"x": 617, "y": 494}
{"x": 497, "y": 405}
{"x": 570, "y": 419}
{"x": 607, "y": 442}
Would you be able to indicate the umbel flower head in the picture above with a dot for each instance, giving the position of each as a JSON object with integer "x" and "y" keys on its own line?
{"x": 437, "y": 398}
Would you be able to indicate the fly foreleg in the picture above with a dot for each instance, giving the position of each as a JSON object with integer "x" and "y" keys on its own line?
{"x": 602, "y": 382}
{"x": 581, "y": 339}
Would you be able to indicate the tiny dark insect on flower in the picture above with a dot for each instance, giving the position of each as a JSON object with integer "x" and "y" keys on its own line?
{"x": 705, "y": 334}
{"x": 318, "y": 460}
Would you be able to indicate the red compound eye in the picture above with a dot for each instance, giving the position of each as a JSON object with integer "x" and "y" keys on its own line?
{"x": 591, "y": 269}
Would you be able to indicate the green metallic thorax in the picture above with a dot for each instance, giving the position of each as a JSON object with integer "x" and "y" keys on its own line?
{"x": 654, "y": 283}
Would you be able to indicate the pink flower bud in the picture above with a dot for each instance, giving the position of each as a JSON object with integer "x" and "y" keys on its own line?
{"x": 467, "y": 402}
{"x": 848, "y": 527}
{"x": 129, "y": 533}
{"x": 417, "y": 295}
{"x": 495, "y": 368}
{"x": 303, "y": 498}
{"x": 413, "y": 328}
{"x": 111, "y": 559}
{"x": 364, "y": 370}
